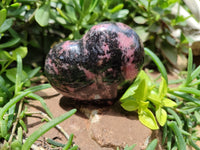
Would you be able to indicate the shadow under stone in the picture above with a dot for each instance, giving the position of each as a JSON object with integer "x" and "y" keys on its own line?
{"x": 106, "y": 107}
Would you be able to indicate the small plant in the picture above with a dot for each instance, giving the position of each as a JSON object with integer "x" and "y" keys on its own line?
{"x": 77, "y": 16}
{"x": 176, "y": 109}
{"x": 12, "y": 125}
{"x": 15, "y": 85}
{"x": 155, "y": 23}
{"x": 141, "y": 94}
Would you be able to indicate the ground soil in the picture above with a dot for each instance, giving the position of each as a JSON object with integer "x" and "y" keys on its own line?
{"x": 94, "y": 127}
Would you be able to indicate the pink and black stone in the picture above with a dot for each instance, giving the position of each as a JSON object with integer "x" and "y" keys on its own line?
{"x": 95, "y": 67}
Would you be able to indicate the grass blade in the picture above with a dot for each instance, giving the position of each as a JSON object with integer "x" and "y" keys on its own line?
{"x": 186, "y": 97}
{"x": 37, "y": 97}
{"x": 69, "y": 143}
{"x": 195, "y": 73}
{"x": 54, "y": 143}
{"x": 43, "y": 129}
{"x": 164, "y": 136}
{"x": 74, "y": 148}
{"x": 16, "y": 99}
{"x": 18, "y": 75}
{"x": 32, "y": 73}
{"x": 169, "y": 139}
{"x": 193, "y": 144}
{"x": 190, "y": 90}
{"x": 19, "y": 134}
{"x": 180, "y": 140}
{"x": 158, "y": 63}
{"x": 152, "y": 145}
{"x": 189, "y": 69}
{"x": 3, "y": 128}
{"x": 176, "y": 117}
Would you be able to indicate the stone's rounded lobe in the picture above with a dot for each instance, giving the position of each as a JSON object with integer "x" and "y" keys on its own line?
{"x": 94, "y": 67}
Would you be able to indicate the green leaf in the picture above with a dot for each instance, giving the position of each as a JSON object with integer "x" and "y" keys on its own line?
{"x": 168, "y": 103}
{"x": 64, "y": 15}
{"x": 120, "y": 14}
{"x": 142, "y": 32}
{"x": 77, "y": 6}
{"x": 93, "y": 18}
{"x": 171, "y": 40}
{"x": 42, "y": 14}
{"x": 162, "y": 88}
{"x": 32, "y": 73}
{"x": 144, "y": 3}
{"x": 147, "y": 118}
{"x": 152, "y": 145}
{"x": 143, "y": 75}
{"x": 15, "y": 5}
{"x": 154, "y": 98}
{"x": 4, "y": 57}
{"x": 158, "y": 63}
{"x": 3, "y": 14}
{"x": 4, "y": 88}
{"x": 141, "y": 93}
{"x": 130, "y": 104}
{"x": 140, "y": 20}
{"x": 11, "y": 74}
{"x": 130, "y": 91}
{"x": 16, "y": 145}
{"x": 43, "y": 129}
{"x": 22, "y": 51}
{"x": 6, "y": 25}
{"x": 161, "y": 116}
{"x": 93, "y": 4}
{"x": 71, "y": 14}
{"x": 129, "y": 147}
{"x": 117, "y": 8}
{"x": 84, "y": 4}
{"x": 169, "y": 52}
{"x": 10, "y": 43}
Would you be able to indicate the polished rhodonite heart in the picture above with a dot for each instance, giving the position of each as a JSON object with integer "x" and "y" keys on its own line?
{"x": 96, "y": 66}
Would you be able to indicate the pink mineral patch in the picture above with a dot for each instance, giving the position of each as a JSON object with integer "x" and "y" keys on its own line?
{"x": 105, "y": 48}
{"x": 129, "y": 71}
{"x": 66, "y": 46}
{"x": 124, "y": 41}
{"x": 88, "y": 73}
{"x": 55, "y": 68}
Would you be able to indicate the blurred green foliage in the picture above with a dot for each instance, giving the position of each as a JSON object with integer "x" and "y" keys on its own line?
{"x": 38, "y": 24}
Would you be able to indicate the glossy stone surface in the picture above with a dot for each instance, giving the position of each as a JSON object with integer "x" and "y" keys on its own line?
{"x": 94, "y": 67}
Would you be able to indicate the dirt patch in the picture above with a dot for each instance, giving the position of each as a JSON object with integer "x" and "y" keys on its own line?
{"x": 94, "y": 128}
